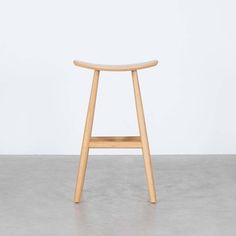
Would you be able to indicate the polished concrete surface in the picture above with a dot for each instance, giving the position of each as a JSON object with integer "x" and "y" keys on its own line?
{"x": 197, "y": 196}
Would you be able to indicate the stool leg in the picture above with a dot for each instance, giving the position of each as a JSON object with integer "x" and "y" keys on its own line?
{"x": 144, "y": 139}
{"x": 86, "y": 138}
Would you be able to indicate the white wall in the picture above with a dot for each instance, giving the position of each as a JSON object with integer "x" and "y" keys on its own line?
{"x": 189, "y": 98}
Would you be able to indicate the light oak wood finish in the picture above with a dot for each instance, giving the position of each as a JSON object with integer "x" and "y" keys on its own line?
{"x": 86, "y": 138}
{"x": 144, "y": 138}
{"x": 129, "y": 67}
{"x": 115, "y": 141}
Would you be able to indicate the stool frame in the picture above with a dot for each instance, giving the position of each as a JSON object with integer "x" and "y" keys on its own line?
{"x": 140, "y": 141}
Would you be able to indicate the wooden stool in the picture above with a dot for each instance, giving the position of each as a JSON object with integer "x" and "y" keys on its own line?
{"x": 115, "y": 142}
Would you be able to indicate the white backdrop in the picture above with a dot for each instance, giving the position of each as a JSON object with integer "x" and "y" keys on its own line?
{"x": 189, "y": 99}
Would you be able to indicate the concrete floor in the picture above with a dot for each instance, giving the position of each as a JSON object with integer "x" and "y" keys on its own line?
{"x": 197, "y": 196}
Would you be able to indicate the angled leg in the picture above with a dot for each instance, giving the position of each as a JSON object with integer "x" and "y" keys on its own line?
{"x": 144, "y": 139}
{"x": 86, "y": 138}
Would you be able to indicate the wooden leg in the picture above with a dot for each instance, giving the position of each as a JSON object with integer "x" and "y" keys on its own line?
{"x": 144, "y": 139}
{"x": 86, "y": 138}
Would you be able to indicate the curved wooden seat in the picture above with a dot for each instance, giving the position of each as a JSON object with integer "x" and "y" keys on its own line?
{"x": 130, "y": 67}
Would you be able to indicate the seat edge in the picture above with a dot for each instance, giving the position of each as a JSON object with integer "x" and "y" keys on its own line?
{"x": 129, "y": 67}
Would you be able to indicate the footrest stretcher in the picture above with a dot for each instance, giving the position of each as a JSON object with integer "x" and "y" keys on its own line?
{"x": 115, "y": 142}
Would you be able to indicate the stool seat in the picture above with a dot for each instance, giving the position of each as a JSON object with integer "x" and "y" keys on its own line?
{"x": 129, "y": 67}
